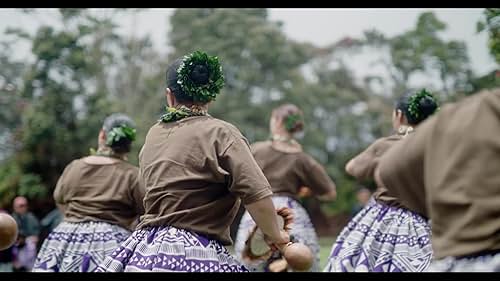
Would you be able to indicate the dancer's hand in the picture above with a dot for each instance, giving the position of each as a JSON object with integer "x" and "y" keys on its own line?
{"x": 279, "y": 243}
{"x": 278, "y": 265}
{"x": 287, "y": 215}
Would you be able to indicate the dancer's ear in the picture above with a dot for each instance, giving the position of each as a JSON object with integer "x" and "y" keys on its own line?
{"x": 171, "y": 101}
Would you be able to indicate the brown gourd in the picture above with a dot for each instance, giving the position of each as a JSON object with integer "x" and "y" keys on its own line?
{"x": 8, "y": 231}
{"x": 298, "y": 256}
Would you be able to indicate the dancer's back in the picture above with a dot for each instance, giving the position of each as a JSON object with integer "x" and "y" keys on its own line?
{"x": 288, "y": 171}
{"x": 100, "y": 192}
{"x": 187, "y": 168}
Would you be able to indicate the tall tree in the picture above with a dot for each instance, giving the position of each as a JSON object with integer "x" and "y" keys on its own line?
{"x": 491, "y": 24}
{"x": 139, "y": 86}
{"x": 421, "y": 50}
{"x": 10, "y": 98}
{"x": 64, "y": 105}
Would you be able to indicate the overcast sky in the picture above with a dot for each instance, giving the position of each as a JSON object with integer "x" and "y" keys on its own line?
{"x": 321, "y": 26}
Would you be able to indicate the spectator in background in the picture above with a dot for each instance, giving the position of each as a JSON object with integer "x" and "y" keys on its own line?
{"x": 24, "y": 250}
{"x": 363, "y": 195}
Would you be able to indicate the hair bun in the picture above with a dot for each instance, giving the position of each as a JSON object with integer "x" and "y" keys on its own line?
{"x": 421, "y": 105}
{"x": 200, "y": 75}
{"x": 120, "y": 132}
{"x": 427, "y": 106}
{"x": 426, "y": 101}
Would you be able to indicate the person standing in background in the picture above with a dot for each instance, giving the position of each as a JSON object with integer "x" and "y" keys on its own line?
{"x": 24, "y": 251}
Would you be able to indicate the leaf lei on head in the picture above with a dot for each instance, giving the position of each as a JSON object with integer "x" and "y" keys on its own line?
{"x": 291, "y": 120}
{"x": 201, "y": 92}
{"x": 174, "y": 114}
{"x": 120, "y": 132}
{"x": 414, "y": 101}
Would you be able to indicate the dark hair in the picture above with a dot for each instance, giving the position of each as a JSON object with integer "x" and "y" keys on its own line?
{"x": 119, "y": 120}
{"x": 172, "y": 77}
{"x": 291, "y": 116}
{"x": 417, "y": 106}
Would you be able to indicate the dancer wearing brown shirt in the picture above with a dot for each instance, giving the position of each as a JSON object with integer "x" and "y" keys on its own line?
{"x": 100, "y": 197}
{"x": 385, "y": 236}
{"x": 287, "y": 168}
{"x": 196, "y": 170}
{"x": 448, "y": 171}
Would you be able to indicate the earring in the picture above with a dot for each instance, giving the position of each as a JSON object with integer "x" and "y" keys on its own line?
{"x": 408, "y": 130}
{"x": 402, "y": 129}
{"x": 405, "y": 130}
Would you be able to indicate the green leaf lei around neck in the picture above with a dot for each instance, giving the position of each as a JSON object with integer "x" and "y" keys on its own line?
{"x": 174, "y": 114}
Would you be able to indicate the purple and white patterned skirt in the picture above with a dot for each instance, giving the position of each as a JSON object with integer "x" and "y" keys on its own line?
{"x": 302, "y": 230}
{"x": 78, "y": 246}
{"x": 381, "y": 238}
{"x": 170, "y": 249}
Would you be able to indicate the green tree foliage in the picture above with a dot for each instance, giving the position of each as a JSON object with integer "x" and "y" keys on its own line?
{"x": 486, "y": 82}
{"x": 421, "y": 50}
{"x": 60, "y": 115}
{"x": 11, "y": 101}
{"x": 492, "y": 26}
{"x": 139, "y": 88}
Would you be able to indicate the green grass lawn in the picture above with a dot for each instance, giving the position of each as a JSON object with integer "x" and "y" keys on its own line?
{"x": 325, "y": 244}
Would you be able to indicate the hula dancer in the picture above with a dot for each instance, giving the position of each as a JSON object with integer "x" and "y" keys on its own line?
{"x": 195, "y": 168}
{"x": 101, "y": 199}
{"x": 287, "y": 168}
{"x": 385, "y": 236}
{"x": 448, "y": 171}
